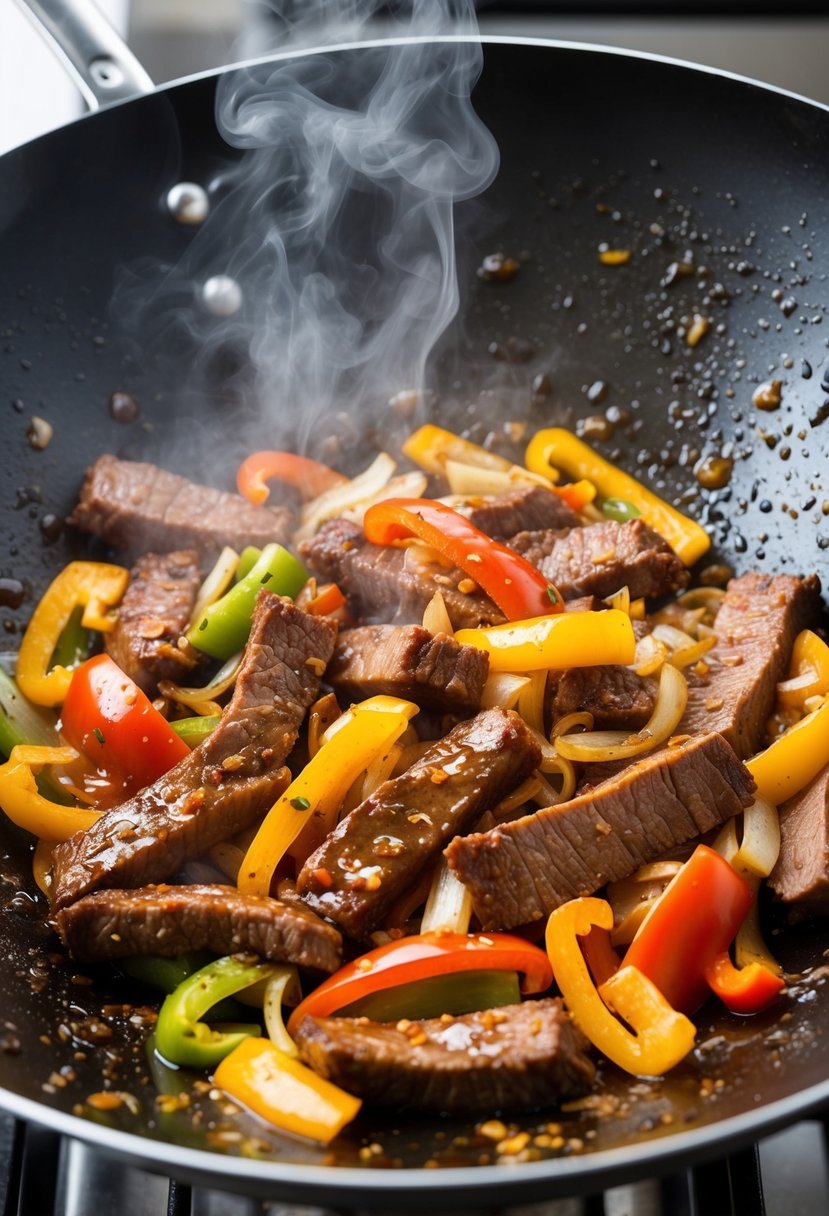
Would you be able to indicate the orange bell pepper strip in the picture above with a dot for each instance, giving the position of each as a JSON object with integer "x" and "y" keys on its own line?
{"x": 556, "y": 448}
{"x": 98, "y": 587}
{"x": 284, "y": 1092}
{"x": 308, "y": 476}
{"x": 519, "y": 589}
{"x": 26, "y": 806}
{"x": 794, "y": 759}
{"x": 569, "y": 639}
{"x": 328, "y": 600}
{"x": 662, "y": 1036}
{"x": 808, "y": 672}
{"x": 743, "y": 989}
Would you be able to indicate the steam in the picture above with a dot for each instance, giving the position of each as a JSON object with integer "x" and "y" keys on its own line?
{"x": 338, "y": 219}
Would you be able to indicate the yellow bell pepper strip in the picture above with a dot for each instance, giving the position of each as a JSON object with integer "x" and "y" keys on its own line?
{"x": 26, "y": 806}
{"x": 284, "y": 1092}
{"x": 95, "y": 585}
{"x": 743, "y": 989}
{"x": 431, "y": 447}
{"x": 558, "y": 447}
{"x": 792, "y": 761}
{"x": 358, "y": 737}
{"x": 180, "y": 1035}
{"x": 571, "y": 639}
{"x": 518, "y": 588}
{"x": 808, "y": 674}
{"x": 663, "y": 1037}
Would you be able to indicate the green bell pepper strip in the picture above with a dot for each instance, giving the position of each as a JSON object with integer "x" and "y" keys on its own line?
{"x": 247, "y": 560}
{"x": 24, "y": 723}
{"x": 166, "y": 974}
{"x": 456, "y": 993}
{"x": 74, "y": 642}
{"x": 620, "y": 509}
{"x": 223, "y": 627}
{"x": 195, "y": 730}
{"x": 180, "y": 1035}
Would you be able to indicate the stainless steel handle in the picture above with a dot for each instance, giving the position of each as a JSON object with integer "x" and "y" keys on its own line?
{"x": 101, "y": 64}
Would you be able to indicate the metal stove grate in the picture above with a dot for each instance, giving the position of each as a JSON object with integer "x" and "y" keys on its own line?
{"x": 44, "y": 1174}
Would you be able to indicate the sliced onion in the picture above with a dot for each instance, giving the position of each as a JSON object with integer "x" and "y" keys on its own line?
{"x": 224, "y": 678}
{"x": 754, "y": 858}
{"x": 323, "y": 713}
{"x": 407, "y": 485}
{"x": 749, "y": 944}
{"x": 468, "y": 479}
{"x": 503, "y": 689}
{"x": 797, "y": 683}
{"x": 216, "y": 583}
{"x": 530, "y": 703}
{"x": 525, "y": 792}
{"x": 569, "y": 722}
{"x": 620, "y": 599}
{"x": 547, "y": 794}
{"x": 345, "y": 497}
{"x": 601, "y": 746}
{"x": 633, "y": 897}
{"x": 379, "y": 771}
{"x": 684, "y": 649}
{"x": 418, "y": 556}
{"x": 449, "y": 904}
{"x": 435, "y": 617}
{"x": 228, "y": 857}
{"x": 281, "y": 989}
{"x": 650, "y": 655}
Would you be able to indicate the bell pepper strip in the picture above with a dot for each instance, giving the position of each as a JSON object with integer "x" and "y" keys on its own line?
{"x": 74, "y": 642}
{"x": 26, "y": 806}
{"x": 692, "y": 923}
{"x": 356, "y": 738}
{"x": 794, "y": 759}
{"x": 519, "y": 589}
{"x": 285, "y": 1092}
{"x": 743, "y": 989}
{"x": 424, "y": 956}
{"x": 808, "y": 673}
{"x": 21, "y": 722}
{"x": 577, "y": 494}
{"x": 571, "y": 639}
{"x": 224, "y": 626}
{"x": 195, "y": 730}
{"x": 96, "y": 586}
{"x": 663, "y": 1036}
{"x": 620, "y": 509}
{"x": 602, "y": 960}
{"x": 559, "y": 448}
{"x": 113, "y": 723}
{"x": 165, "y": 974}
{"x": 310, "y": 477}
{"x": 464, "y": 992}
{"x": 181, "y": 1037}
{"x": 329, "y": 599}
{"x": 431, "y": 447}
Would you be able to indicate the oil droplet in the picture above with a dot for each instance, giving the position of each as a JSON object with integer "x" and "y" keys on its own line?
{"x": 12, "y": 592}
{"x": 123, "y": 407}
{"x": 769, "y": 395}
{"x": 713, "y": 472}
{"x": 188, "y": 203}
{"x": 222, "y": 295}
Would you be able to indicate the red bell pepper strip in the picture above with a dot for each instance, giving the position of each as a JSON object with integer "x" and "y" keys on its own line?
{"x": 108, "y": 718}
{"x": 743, "y": 989}
{"x": 421, "y": 957}
{"x": 519, "y": 589}
{"x": 690, "y": 925}
{"x": 308, "y": 476}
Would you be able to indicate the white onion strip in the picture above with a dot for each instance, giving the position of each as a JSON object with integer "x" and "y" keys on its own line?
{"x": 195, "y": 698}
{"x": 435, "y": 617}
{"x": 604, "y": 745}
{"x": 407, "y": 485}
{"x": 503, "y": 689}
{"x": 216, "y": 583}
{"x": 650, "y": 655}
{"x": 753, "y": 858}
{"x": 530, "y": 703}
{"x": 345, "y": 497}
{"x": 281, "y": 989}
{"x": 472, "y": 480}
{"x": 449, "y": 905}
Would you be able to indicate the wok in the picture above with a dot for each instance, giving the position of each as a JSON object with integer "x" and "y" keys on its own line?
{"x": 596, "y": 147}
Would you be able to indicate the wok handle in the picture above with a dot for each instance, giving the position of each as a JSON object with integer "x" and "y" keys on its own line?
{"x": 101, "y": 64}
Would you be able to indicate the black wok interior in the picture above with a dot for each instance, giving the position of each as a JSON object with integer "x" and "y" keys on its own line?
{"x": 639, "y": 154}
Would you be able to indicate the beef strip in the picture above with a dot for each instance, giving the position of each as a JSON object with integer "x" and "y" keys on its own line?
{"x": 152, "y": 617}
{"x": 173, "y": 920}
{"x": 601, "y": 558}
{"x": 225, "y": 783}
{"x": 517, "y": 1058}
{"x": 380, "y": 848}
{"x": 381, "y": 587}
{"x": 141, "y": 507}
{"x": 801, "y": 876}
{"x": 520, "y": 871}
{"x": 408, "y": 661}
{"x": 756, "y": 625}
{"x": 525, "y": 509}
{"x": 617, "y": 697}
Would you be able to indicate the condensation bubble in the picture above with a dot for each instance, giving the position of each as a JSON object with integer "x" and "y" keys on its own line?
{"x": 188, "y": 203}
{"x": 222, "y": 295}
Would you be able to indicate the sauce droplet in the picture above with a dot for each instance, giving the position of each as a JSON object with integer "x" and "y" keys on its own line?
{"x": 123, "y": 407}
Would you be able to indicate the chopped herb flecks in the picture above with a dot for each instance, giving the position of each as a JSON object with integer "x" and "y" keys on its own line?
{"x": 300, "y": 804}
{"x": 202, "y": 625}
{"x": 552, "y": 595}
{"x": 99, "y": 735}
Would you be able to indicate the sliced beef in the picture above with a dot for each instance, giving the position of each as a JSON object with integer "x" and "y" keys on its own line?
{"x": 528, "y": 509}
{"x": 227, "y": 782}
{"x": 617, "y": 697}
{"x": 378, "y": 851}
{"x": 517, "y": 1058}
{"x": 381, "y": 586}
{"x": 756, "y": 625}
{"x": 520, "y": 871}
{"x": 140, "y": 507}
{"x": 152, "y": 617}
{"x": 408, "y": 661}
{"x": 173, "y": 920}
{"x": 601, "y": 558}
{"x": 801, "y": 876}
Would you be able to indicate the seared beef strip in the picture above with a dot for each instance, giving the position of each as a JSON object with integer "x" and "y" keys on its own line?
{"x": 756, "y": 625}
{"x": 407, "y": 661}
{"x": 528, "y": 509}
{"x": 801, "y": 876}
{"x": 617, "y": 697}
{"x": 520, "y": 871}
{"x": 141, "y": 507}
{"x": 173, "y": 920}
{"x": 225, "y": 783}
{"x": 152, "y": 617}
{"x": 381, "y": 847}
{"x": 517, "y": 1058}
{"x": 601, "y": 558}
{"x": 380, "y": 586}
